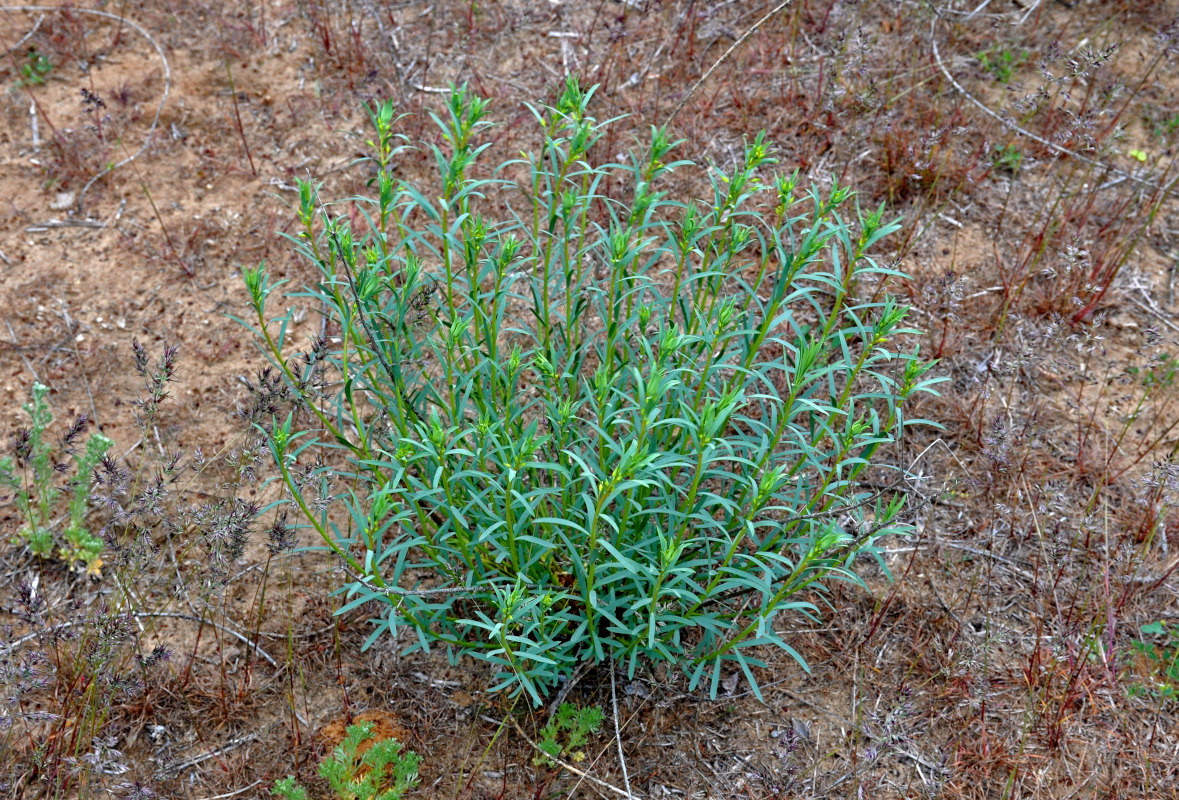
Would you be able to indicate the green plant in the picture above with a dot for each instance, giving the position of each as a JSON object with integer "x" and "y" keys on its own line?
{"x": 35, "y": 492}
{"x": 1002, "y": 63}
{"x": 34, "y": 69}
{"x": 1160, "y": 646}
{"x": 382, "y": 772}
{"x": 1159, "y": 122}
{"x": 1008, "y": 159}
{"x": 566, "y": 732}
{"x": 609, "y": 425}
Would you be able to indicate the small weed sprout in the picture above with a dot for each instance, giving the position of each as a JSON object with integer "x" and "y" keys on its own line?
{"x": 382, "y": 771}
{"x": 1167, "y": 127}
{"x": 30, "y": 473}
{"x": 566, "y": 732}
{"x": 1002, "y": 63}
{"x": 593, "y": 422}
{"x": 35, "y": 69}
{"x": 1008, "y": 158}
{"x": 1159, "y": 646}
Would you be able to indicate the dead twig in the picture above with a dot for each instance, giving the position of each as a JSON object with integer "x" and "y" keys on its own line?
{"x": 618, "y": 733}
{"x": 601, "y": 784}
{"x": 214, "y": 753}
{"x": 32, "y": 32}
{"x": 242, "y": 790}
{"x": 172, "y": 615}
{"x": 428, "y": 89}
{"x": 1155, "y": 312}
{"x": 740, "y": 40}
{"x": 65, "y": 223}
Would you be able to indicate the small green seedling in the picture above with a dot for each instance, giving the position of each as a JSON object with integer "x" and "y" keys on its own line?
{"x": 1167, "y": 127}
{"x": 383, "y": 772}
{"x": 567, "y": 732}
{"x": 35, "y": 68}
{"x": 1008, "y": 159}
{"x": 1160, "y": 645}
{"x": 1002, "y": 63}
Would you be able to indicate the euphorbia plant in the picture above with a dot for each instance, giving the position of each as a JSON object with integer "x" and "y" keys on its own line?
{"x": 585, "y": 422}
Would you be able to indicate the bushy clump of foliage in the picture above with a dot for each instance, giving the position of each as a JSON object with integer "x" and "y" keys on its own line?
{"x": 32, "y": 472}
{"x": 586, "y": 419}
